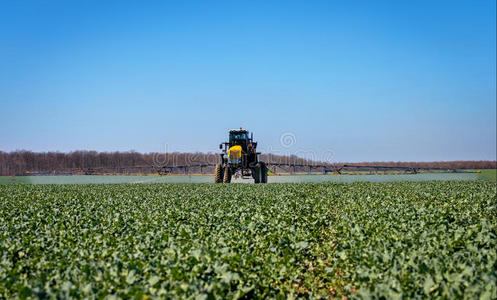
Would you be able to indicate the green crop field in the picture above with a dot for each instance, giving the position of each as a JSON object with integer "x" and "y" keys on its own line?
{"x": 399, "y": 239}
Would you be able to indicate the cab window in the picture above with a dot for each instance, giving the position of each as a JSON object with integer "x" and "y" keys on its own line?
{"x": 238, "y": 137}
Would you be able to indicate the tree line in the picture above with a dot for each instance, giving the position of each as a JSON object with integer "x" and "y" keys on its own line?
{"x": 81, "y": 162}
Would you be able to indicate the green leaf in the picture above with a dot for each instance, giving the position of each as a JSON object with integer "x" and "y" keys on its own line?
{"x": 130, "y": 278}
{"x": 428, "y": 284}
{"x": 153, "y": 280}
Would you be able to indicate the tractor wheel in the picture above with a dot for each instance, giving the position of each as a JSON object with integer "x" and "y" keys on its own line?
{"x": 255, "y": 173}
{"x": 218, "y": 174}
{"x": 263, "y": 172}
{"x": 227, "y": 175}
{"x": 259, "y": 171}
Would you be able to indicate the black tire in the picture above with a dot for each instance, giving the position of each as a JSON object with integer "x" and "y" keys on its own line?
{"x": 263, "y": 172}
{"x": 257, "y": 173}
{"x": 218, "y": 174}
{"x": 227, "y": 175}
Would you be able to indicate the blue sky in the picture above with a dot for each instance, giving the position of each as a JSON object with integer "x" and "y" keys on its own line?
{"x": 363, "y": 80}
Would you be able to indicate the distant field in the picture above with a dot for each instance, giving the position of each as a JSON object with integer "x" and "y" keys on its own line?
{"x": 13, "y": 179}
{"x": 390, "y": 240}
{"x": 489, "y": 174}
{"x": 105, "y": 179}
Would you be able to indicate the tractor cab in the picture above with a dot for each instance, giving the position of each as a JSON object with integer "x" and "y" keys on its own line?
{"x": 238, "y": 142}
{"x": 239, "y": 137}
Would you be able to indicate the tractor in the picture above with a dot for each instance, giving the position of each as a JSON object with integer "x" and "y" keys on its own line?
{"x": 240, "y": 157}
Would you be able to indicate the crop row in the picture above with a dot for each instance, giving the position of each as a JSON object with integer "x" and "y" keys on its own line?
{"x": 398, "y": 239}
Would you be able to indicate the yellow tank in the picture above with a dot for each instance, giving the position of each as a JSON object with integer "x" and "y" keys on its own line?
{"x": 235, "y": 152}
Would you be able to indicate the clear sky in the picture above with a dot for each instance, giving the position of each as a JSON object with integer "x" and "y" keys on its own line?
{"x": 363, "y": 80}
